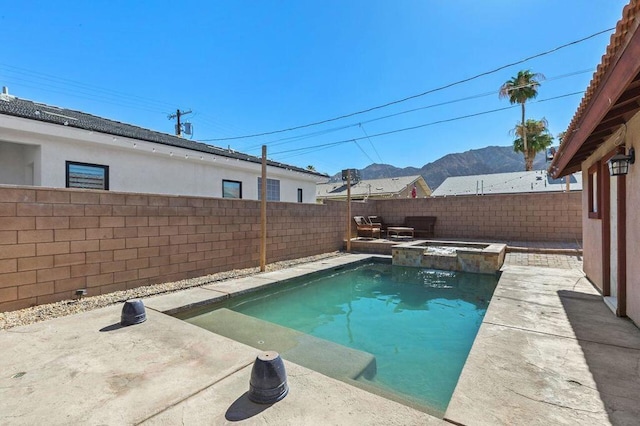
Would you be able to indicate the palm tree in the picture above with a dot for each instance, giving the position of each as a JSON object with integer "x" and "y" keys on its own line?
{"x": 538, "y": 136}
{"x": 519, "y": 90}
{"x": 560, "y": 137}
{"x": 311, "y": 168}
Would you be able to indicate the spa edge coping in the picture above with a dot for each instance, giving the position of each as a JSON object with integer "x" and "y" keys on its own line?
{"x": 493, "y": 248}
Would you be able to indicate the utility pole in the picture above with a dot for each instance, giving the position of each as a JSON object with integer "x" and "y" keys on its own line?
{"x": 177, "y": 115}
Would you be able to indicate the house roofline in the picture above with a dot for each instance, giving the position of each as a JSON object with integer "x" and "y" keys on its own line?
{"x": 126, "y": 130}
{"x": 617, "y": 70}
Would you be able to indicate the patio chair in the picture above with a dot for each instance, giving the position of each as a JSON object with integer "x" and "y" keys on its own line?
{"x": 366, "y": 229}
{"x": 377, "y": 221}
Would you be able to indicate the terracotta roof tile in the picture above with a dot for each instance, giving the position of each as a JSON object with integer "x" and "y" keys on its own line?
{"x": 616, "y": 45}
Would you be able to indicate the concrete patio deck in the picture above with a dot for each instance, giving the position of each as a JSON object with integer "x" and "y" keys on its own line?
{"x": 548, "y": 352}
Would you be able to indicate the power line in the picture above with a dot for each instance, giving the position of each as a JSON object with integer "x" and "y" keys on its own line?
{"x": 405, "y": 129}
{"x": 53, "y": 84}
{"x": 289, "y": 139}
{"x": 419, "y": 94}
{"x": 363, "y": 151}
{"x": 371, "y": 143}
{"x": 92, "y": 98}
{"x": 25, "y": 74}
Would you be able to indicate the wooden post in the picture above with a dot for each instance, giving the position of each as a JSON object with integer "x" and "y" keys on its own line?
{"x": 348, "y": 211}
{"x": 263, "y": 212}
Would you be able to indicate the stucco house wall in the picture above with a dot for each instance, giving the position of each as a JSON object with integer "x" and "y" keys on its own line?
{"x": 633, "y": 224}
{"x": 592, "y": 228}
{"x": 34, "y": 153}
{"x": 607, "y": 122}
{"x": 19, "y": 164}
{"x": 592, "y": 244}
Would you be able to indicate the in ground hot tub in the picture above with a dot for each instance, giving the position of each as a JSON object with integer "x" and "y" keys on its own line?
{"x": 481, "y": 258}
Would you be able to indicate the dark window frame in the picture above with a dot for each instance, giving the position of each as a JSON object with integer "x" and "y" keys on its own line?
{"x": 239, "y": 183}
{"x": 104, "y": 168}
{"x": 299, "y": 195}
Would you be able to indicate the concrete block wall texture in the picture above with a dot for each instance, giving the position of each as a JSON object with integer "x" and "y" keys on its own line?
{"x": 55, "y": 241}
{"x": 515, "y": 217}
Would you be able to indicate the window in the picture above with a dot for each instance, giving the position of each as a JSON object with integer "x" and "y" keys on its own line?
{"x": 83, "y": 175}
{"x": 231, "y": 189}
{"x": 299, "y": 195}
{"x": 273, "y": 189}
{"x": 592, "y": 191}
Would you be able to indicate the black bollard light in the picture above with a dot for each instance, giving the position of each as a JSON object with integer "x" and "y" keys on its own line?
{"x": 268, "y": 382}
{"x": 133, "y": 312}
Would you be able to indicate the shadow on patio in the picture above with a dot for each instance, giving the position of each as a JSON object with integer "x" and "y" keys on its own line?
{"x": 611, "y": 350}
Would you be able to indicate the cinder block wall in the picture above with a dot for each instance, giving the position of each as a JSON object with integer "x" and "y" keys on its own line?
{"x": 54, "y": 241}
{"x": 519, "y": 217}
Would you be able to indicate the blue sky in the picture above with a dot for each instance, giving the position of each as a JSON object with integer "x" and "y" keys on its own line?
{"x": 246, "y": 67}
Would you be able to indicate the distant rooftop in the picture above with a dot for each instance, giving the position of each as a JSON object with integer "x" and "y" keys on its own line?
{"x": 14, "y": 106}
{"x": 378, "y": 188}
{"x": 506, "y": 183}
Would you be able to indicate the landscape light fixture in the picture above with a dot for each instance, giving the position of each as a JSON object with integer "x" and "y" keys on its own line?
{"x": 268, "y": 383}
{"x": 619, "y": 163}
{"x": 133, "y": 312}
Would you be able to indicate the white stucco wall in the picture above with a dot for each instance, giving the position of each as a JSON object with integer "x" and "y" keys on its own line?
{"x": 134, "y": 166}
{"x": 18, "y": 163}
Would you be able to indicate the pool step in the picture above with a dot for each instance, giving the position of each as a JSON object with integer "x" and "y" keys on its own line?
{"x": 323, "y": 356}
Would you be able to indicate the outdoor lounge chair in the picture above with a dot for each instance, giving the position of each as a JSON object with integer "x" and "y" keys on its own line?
{"x": 365, "y": 229}
{"x": 377, "y": 221}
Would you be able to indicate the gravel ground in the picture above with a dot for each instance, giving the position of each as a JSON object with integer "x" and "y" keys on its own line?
{"x": 68, "y": 307}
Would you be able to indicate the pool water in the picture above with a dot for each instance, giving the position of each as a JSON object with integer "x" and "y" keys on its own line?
{"x": 419, "y": 324}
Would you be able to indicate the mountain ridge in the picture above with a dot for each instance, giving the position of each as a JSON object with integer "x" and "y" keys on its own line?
{"x": 491, "y": 159}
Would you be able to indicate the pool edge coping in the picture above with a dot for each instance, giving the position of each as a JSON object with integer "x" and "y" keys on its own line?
{"x": 306, "y": 269}
{"x": 173, "y": 303}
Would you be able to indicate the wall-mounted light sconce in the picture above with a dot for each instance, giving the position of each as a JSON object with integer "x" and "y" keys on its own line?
{"x": 619, "y": 163}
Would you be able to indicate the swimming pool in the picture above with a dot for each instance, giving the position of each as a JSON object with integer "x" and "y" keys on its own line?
{"x": 400, "y": 331}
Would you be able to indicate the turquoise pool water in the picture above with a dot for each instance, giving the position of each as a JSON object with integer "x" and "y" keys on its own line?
{"x": 419, "y": 324}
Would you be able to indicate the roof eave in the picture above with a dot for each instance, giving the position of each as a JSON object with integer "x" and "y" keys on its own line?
{"x": 623, "y": 68}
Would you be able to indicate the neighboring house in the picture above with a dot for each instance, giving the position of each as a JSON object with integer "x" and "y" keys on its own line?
{"x": 506, "y": 183}
{"x": 47, "y": 146}
{"x": 398, "y": 187}
{"x": 607, "y": 123}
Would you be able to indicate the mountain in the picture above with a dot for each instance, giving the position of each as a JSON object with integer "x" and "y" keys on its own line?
{"x": 492, "y": 159}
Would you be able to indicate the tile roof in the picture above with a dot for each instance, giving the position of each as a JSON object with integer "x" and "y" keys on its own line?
{"x": 505, "y": 183}
{"x": 14, "y": 106}
{"x": 604, "y": 122}
{"x": 386, "y": 187}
